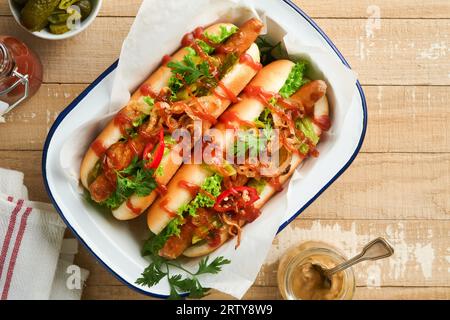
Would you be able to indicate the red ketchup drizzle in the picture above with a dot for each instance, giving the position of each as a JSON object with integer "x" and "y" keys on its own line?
{"x": 166, "y": 59}
{"x": 191, "y": 187}
{"x": 230, "y": 116}
{"x": 202, "y": 114}
{"x": 288, "y": 104}
{"x": 198, "y": 33}
{"x": 251, "y": 214}
{"x": 98, "y": 147}
{"x": 133, "y": 209}
{"x": 248, "y": 60}
{"x": 163, "y": 205}
{"x": 189, "y": 38}
{"x": 224, "y": 49}
{"x": 146, "y": 90}
{"x": 200, "y": 52}
{"x": 229, "y": 95}
{"x": 323, "y": 122}
{"x": 161, "y": 189}
{"x": 259, "y": 93}
{"x": 275, "y": 183}
{"x": 214, "y": 238}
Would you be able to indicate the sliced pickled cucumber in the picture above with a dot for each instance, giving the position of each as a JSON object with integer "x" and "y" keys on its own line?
{"x": 58, "y": 28}
{"x": 64, "y": 4}
{"x": 36, "y": 12}
{"x": 58, "y": 18}
{"x": 85, "y": 8}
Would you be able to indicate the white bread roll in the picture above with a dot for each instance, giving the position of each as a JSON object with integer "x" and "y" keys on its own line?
{"x": 321, "y": 108}
{"x": 234, "y": 80}
{"x": 271, "y": 78}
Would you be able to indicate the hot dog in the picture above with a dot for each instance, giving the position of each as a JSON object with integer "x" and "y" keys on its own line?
{"x": 130, "y": 162}
{"x": 205, "y": 205}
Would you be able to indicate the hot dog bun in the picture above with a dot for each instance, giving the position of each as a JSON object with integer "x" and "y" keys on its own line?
{"x": 157, "y": 80}
{"x": 271, "y": 78}
{"x": 321, "y": 108}
{"x": 232, "y": 83}
{"x": 235, "y": 80}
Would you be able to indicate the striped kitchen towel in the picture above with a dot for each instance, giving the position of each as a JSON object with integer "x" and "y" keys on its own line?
{"x": 32, "y": 265}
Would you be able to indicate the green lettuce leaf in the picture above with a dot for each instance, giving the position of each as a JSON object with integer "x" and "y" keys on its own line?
{"x": 295, "y": 80}
{"x": 213, "y": 185}
{"x": 225, "y": 33}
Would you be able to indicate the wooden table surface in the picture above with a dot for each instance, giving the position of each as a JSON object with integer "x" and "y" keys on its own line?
{"x": 398, "y": 187}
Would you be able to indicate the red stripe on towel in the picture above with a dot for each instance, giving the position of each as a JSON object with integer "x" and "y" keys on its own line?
{"x": 9, "y": 232}
{"x": 12, "y": 262}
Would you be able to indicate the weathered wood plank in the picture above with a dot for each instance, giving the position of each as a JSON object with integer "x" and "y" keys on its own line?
{"x": 419, "y": 259}
{"x": 30, "y": 122}
{"x": 271, "y": 293}
{"x": 420, "y": 249}
{"x": 361, "y": 293}
{"x": 316, "y": 8}
{"x": 376, "y": 186}
{"x": 403, "y": 52}
{"x": 420, "y": 112}
{"x": 407, "y": 119}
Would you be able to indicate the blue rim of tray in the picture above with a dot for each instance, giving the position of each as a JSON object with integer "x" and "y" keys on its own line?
{"x": 75, "y": 102}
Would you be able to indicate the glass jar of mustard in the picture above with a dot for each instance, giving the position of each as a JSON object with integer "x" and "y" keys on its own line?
{"x": 298, "y": 279}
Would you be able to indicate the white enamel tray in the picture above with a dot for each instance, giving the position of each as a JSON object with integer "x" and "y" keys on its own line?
{"x": 117, "y": 244}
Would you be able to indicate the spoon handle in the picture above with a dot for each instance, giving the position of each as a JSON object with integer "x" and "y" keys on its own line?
{"x": 377, "y": 249}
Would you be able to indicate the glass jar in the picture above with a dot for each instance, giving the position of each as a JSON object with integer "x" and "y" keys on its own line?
{"x": 20, "y": 73}
{"x": 298, "y": 280}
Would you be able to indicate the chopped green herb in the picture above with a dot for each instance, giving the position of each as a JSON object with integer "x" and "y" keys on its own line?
{"x": 149, "y": 101}
{"x": 135, "y": 179}
{"x": 139, "y": 120}
{"x": 265, "y": 118}
{"x": 160, "y": 170}
{"x": 191, "y": 70}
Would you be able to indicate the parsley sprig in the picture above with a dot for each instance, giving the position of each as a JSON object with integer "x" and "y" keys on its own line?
{"x": 135, "y": 179}
{"x": 253, "y": 141}
{"x": 160, "y": 268}
{"x": 191, "y": 70}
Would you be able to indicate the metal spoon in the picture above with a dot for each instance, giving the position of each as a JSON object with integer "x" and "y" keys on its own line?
{"x": 377, "y": 249}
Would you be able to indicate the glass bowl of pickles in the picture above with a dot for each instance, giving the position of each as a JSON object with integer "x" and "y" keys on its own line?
{"x": 55, "y": 19}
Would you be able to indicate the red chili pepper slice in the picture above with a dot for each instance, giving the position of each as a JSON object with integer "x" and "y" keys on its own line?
{"x": 245, "y": 196}
{"x": 158, "y": 155}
